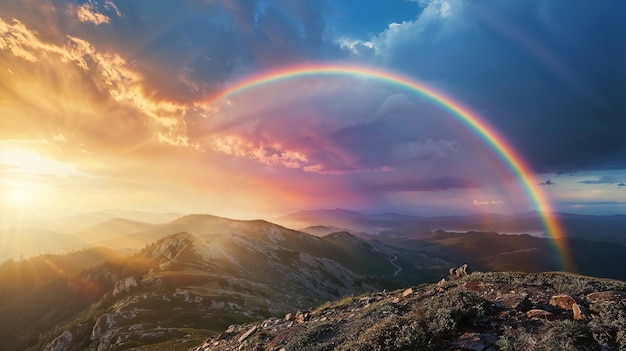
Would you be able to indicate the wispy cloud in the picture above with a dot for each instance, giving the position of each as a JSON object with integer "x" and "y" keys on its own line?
{"x": 87, "y": 13}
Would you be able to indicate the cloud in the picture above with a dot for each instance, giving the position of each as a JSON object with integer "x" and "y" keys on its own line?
{"x": 106, "y": 73}
{"x": 530, "y": 68}
{"x": 265, "y": 153}
{"x": 547, "y": 182}
{"x": 87, "y": 13}
{"x": 604, "y": 179}
{"x": 621, "y": 184}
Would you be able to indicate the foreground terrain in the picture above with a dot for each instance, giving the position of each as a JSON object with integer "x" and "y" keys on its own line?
{"x": 480, "y": 312}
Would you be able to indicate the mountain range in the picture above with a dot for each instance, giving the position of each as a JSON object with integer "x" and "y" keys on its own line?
{"x": 171, "y": 285}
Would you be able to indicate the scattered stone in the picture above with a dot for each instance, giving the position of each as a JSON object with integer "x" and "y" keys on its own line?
{"x": 563, "y": 301}
{"x": 536, "y": 313}
{"x": 473, "y": 342}
{"x": 515, "y": 301}
{"x": 245, "y": 335}
{"x": 442, "y": 282}
{"x": 543, "y": 306}
{"x": 258, "y": 348}
{"x": 460, "y": 272}
{"x": 606, "y": 296}
{"x": 407, "y": 292}
{"x": 580, "y": 312}
{"x": 302, "y": 317}
{"x": 288, "y": 317}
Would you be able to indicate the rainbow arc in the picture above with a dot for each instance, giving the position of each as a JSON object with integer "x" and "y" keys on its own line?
{"x": 474, "y": 122}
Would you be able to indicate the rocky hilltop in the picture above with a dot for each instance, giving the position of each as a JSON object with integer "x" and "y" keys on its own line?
{"x": 479, "y": 312}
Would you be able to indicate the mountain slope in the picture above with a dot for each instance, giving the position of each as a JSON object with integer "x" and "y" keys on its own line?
{"x": 188, "y": 286}
{"x": 480, "y": 312}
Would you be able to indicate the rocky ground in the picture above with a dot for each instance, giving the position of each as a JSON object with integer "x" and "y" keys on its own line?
{"x": 479, "y": 312}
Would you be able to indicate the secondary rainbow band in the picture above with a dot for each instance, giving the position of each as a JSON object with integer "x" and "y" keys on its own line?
{"x": 508, "y": 154}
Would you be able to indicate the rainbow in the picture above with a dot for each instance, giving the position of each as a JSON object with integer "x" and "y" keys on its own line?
{"x": 486, "y": 132}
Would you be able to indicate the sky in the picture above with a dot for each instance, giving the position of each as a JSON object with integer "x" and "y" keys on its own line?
{"x": 111, "y": 104}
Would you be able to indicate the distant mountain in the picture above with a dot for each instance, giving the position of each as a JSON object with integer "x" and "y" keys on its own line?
{"x": 28, "y": 242}
{"x": 27, "y": 238}
{"x": 391, "y": 225}
{"x": 83, "y": 221}
{"x": 111, "y": 229}
{"x": 321, "y": 230}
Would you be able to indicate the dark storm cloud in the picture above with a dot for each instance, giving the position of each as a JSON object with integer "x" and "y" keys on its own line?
{"x": 547, "y": 182}
{"x": 605, "y": 179}
{"x": 551, "y": 76}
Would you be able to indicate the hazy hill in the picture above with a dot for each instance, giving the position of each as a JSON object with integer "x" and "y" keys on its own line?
{"x": 28, "y": 242}
{"x": 27, "y": 238}
{"x": 20, "y": 279}
{"x": 111, "y": 230}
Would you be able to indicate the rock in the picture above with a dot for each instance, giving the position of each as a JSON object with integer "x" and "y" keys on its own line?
{"x": 473, "y": 342}
{"x": 245, "y": 335}
{"x": 407, "y": 292}
{"x": 302, "y": 317}
{"x": 442, "y": 282}
{"x": 580, "y": 312}
{"x": 536, "y": 313}
{"x": 606, "y": 296}
{"x": 258, "y": 348}
{"x": 288, "y": 317}
{"x": 124, "y": 285}
{"x": 563, "y": 301}
{"x": 460, "y": 272}
{"x": 515, "y": 301}
{"x": 543, "y": 306}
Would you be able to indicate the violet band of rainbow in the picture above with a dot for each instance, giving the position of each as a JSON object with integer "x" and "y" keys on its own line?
{"x": 474, "y": 122}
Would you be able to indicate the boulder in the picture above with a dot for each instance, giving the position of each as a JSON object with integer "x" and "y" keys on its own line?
{"x": 563, "y": 301}
{"x": 407, "y": 292}
{"x": 606, "y": 296}
{"x": 245, "y": 335}
{"x": 515, "y": 301}
{"x": 460, "y": 272}
{"x": 580, "y": 312}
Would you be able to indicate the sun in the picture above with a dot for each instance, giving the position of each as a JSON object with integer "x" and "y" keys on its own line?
{"x": 18, "y": 195}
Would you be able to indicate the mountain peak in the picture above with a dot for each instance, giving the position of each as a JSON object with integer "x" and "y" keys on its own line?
{"x": 168, "y": 247}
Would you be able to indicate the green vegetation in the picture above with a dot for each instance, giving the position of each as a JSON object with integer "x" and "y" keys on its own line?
{"x": 314, "y": 337}
{"x": 557, "y": 282}
{"x": 563, "y": 335}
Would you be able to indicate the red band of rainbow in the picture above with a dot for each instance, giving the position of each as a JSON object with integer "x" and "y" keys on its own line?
{"x": 486, "y": 132}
